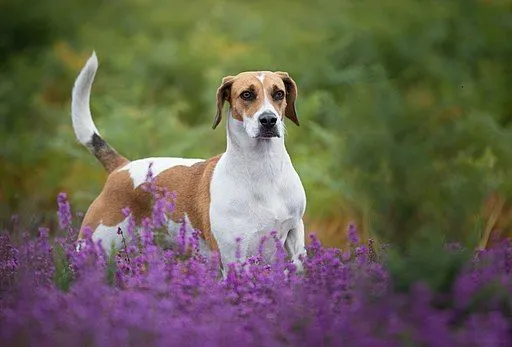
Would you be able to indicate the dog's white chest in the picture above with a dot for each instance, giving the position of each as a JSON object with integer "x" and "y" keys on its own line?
{"x": 252, "y": 206}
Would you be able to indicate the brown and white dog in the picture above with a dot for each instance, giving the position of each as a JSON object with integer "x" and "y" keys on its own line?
{"x": 246, "y": 192}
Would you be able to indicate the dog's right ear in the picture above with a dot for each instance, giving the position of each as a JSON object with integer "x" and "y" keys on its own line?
{"x": 223, "y": 94}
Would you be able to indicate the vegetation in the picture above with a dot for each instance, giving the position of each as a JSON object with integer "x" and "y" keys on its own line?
{"x": 53, "y": 295}
{"x": 405, "y": 105}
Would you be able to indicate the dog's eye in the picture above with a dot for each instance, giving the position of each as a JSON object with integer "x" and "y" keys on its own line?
{"x": 247, "y": 95}
{"x": 278, "y": 95}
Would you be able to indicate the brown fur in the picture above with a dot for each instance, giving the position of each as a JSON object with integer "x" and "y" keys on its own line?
{"x": 190, "y": 184}
{"x": 110, "y": 159}
{"x": 291, "y": 96}
{"x": 233, "y": 86}
{"x": 107, "y": 156}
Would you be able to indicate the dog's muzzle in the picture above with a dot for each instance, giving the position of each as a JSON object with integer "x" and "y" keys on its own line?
{"x": 268, "y": 125}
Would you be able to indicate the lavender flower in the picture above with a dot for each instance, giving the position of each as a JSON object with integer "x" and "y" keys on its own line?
{"x": 353, "y": 236}
{"x": 64, "y": 211}
{"x": 144, "y": 294}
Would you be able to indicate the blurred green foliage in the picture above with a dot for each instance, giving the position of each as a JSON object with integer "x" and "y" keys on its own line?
{"x": 427, "y": 259}
{"x": 405, "y": 106}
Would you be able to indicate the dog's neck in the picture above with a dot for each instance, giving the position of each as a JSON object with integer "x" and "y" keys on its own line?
{"x": 255, "y": 156}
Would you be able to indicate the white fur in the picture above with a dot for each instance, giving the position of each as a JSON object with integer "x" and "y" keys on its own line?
{"x": 80, "y": 112}
{"x": 138, "y": 169}
{"x": 109, "y": 236}
{"x": 272, "y": 198}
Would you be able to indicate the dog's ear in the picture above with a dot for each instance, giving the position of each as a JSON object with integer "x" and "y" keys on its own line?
{"x": 291, "y": 96}
{"x": 223, "y": 94}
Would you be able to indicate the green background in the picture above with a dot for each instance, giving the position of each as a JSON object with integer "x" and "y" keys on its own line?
{"x": 405, "y": 106}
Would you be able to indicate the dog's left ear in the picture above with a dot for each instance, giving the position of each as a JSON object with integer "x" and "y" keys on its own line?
{"x": 223, "y": 94}
{"x": 291, "y": 96}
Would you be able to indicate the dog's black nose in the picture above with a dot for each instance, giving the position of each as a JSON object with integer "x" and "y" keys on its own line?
{"x": 268, "y": 120}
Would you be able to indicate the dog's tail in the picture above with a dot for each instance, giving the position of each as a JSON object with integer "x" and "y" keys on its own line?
{"x": 84, "y": 127}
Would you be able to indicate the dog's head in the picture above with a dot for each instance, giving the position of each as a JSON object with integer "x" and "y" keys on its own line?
{"x": 260, "y": 100}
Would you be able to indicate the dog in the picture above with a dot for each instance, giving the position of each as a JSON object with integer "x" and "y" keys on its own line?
{"x": 234, "y": 199}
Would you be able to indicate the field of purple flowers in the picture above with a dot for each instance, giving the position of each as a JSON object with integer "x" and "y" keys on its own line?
{"x": 52, "y": 295}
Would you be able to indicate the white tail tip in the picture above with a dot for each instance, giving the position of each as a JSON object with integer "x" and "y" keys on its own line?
{"x": 80, "y": 111}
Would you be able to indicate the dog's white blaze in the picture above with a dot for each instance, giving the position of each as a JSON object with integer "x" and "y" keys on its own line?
{"x": 138, "y": 169}
{"x": 251, "y": 124}
{"x": 267, "y": 106}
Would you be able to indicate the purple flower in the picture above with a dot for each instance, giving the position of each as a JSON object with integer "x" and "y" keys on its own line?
{"x": 64, "y": 211}
{"x": 353, "y": 236}
{"x": 51, "y": 294}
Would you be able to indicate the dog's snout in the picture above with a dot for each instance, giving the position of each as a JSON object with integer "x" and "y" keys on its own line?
{"x": 268, "y": 120}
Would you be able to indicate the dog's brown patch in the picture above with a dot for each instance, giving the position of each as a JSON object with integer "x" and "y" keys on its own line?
{"x": 191, "y": 184}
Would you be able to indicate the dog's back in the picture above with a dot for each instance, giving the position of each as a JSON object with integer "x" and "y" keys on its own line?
{"x": 188, "y": 179}
{"x": 124, "y": 188}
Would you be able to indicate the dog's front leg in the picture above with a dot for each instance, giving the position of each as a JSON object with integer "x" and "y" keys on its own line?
{"x": 295, "y": 244}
